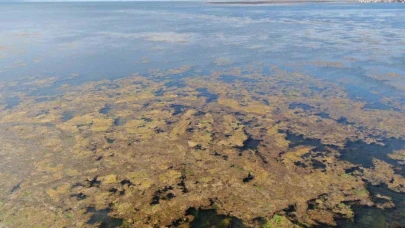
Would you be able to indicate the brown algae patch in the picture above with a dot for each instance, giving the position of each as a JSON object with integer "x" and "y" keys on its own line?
{"x": 121, "y": 153}
{"x": 398, "y": 155}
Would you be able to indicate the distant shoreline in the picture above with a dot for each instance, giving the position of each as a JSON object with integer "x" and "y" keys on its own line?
{"x": 278, "y": 2}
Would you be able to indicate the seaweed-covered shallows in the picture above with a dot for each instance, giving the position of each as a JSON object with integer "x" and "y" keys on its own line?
{"x": 256, "y": 150}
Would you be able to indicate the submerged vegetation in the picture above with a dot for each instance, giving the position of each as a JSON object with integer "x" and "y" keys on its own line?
{"x": 259, "y": 149}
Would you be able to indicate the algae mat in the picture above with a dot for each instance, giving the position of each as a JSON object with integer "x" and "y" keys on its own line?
{"x": 136, "y": 152}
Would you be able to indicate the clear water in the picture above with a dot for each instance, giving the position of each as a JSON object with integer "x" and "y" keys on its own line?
{"x": 111, "y": 40}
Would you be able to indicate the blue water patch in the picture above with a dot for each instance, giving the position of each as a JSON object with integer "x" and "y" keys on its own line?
{"x": 210, "y": 97}
{"x": 102, "y": 218}
{"x": 11, "y": 102}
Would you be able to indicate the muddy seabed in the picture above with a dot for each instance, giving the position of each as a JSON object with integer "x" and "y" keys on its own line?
{"x": 254, "y": 147}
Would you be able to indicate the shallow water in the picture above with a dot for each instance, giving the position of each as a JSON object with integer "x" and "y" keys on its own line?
{"x": 123, "y": 103}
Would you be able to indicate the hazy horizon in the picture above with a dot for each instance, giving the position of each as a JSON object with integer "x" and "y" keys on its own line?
{"x": 97, "y": 0}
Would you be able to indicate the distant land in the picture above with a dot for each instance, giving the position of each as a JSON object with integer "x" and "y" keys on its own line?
{"x": 277, "y": 2}
{"x": 386, "y": 1}
{"x": 302, "y": 1}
